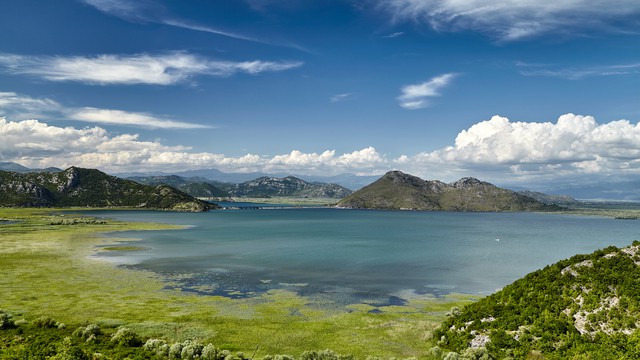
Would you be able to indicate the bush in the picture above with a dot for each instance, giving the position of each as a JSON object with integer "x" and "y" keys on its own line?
{"x": 126, "y": 337}
{"x": 6, "y": 321}
{"x": 209, "y": 352}
{"x": 87, "y": 331}
{"x": 45, "y": 322}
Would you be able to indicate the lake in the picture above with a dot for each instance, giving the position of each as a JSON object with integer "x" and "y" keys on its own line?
{"x": 346, "y": 256}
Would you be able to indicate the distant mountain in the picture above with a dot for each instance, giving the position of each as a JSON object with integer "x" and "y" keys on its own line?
{"x": 399, "y": 191}
{"x": 90, "y": 188}
{"x": 195, "y": 186}
{"x": 349, "y": 181}
{"x": 289, "y": 186}
{"x": 585, "y": 307}
{"x": 15, "y": 167}
{"x": 550, "y": 199}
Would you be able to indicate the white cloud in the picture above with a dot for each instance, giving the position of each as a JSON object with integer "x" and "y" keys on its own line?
{"x": 165, "y": 69}
{"x": 339, "y": 97}
{"x": 25, "y": 107}
{"x": 577, "y": 73}
{"x": 518, "y": 19}
{"x": 572, "y": 149}
{"x": 118, "y": 117}
{"x": 573, "y": 146}
{"x": 393, "y": 35}
{"x": 37, "y": 144}
{"x": 138, "y": 11}
{"x": 417, "y": 96}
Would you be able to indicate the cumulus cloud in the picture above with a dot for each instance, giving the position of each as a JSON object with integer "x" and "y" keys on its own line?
{"x": 26, "y": 107}
{"x": 165, "y": 69}
{"x": 517, "y": 19}
{"x": 417, "y": 96}
{"x": 574, "y": 145}
{"x": 37, "y": 144}
{"x": 499, "y": 150}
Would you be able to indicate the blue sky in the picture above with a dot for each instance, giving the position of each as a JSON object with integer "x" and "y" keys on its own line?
{"x": 514, "y": 92}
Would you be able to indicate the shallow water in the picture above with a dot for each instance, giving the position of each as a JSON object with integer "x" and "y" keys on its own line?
{"x": 345, "y": 256}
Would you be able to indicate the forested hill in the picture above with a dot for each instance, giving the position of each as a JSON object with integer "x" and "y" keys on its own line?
{"x": 89, "y": 188}
{"x": 586, "y": 307}
{"x": 399, "y": 191}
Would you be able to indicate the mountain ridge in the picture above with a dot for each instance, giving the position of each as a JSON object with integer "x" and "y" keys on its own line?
{"x": 399, "y": 191}
{"x": 80, "y": 187}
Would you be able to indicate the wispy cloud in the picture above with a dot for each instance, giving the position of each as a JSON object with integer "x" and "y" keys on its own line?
{"x": 164, "y": 69}
{"x": 393, "y": 35}
{"x": 417, "y": 96}
{"x": 25, "y": 107}
{"x": 140, "y": 11}
{"x": 339, "y": 97}
{"x": 576, "y": 73}
{"x": 118, "y": 117}
{"x": 518, "y": 19}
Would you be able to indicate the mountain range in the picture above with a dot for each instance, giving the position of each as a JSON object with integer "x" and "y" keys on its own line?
{"x": 399, "y": 191}
{"x": 261, "y": 187}
{"x": 78, "y": 187}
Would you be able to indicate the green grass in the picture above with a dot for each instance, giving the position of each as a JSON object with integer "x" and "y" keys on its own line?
{"x": 48, "y": 270}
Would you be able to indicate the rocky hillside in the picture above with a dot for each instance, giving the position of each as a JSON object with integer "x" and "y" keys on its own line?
{"x": 586, "y": 307}
{"x": 550, "y": 199}
{"x": 197, "y": 187}
{"x": 89, "y": 188}
{"x": 289, "y": 186}
{"x": 399, "y": 191}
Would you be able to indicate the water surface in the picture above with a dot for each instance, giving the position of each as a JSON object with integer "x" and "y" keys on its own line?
{"x": 359, "y": 255}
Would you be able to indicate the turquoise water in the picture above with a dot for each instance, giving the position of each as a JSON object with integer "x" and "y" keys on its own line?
{"x": 354, "y": 255}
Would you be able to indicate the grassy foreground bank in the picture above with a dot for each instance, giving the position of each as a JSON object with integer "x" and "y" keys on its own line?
{"x": 47, "y": 270}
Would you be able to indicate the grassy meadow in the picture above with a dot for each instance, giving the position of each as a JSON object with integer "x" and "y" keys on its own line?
{"x": 47, "y": 269}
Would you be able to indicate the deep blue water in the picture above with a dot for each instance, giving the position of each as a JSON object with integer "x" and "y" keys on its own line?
{"x": 354, "y": 255}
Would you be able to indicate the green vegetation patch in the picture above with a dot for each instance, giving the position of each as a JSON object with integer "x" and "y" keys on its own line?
{"x": 586, "y": 307}
{"x": 48, "y": 271}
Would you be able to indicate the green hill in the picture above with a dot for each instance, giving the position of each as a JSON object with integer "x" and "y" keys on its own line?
{"x": 89, "y": 188}
{"x": 194, "y": 186}
{"x": 289, "y": 186}
{"x": 586, "y": 307}
{"x": 399, "y": 191}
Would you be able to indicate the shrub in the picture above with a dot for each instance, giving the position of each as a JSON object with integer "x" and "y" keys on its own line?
{"x": 191, "y": 350}
{"x": 126, "y": 337}
{"x": 45, "y": 322}
{"x": 6, "y": 321}
{"x": 86, "y": 332}
{"x": 158, "y": 347}
{"x": 175, "y": 351}
{"x": 209, "y": 352}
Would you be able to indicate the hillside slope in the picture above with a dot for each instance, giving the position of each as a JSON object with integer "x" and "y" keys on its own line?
{"x": 289, "y": 186}
{"x": 89, "y": 188}
{"x": 399, "y": 191}
{"x": 197, "y": 187}
{"x": 586, "y": 307}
